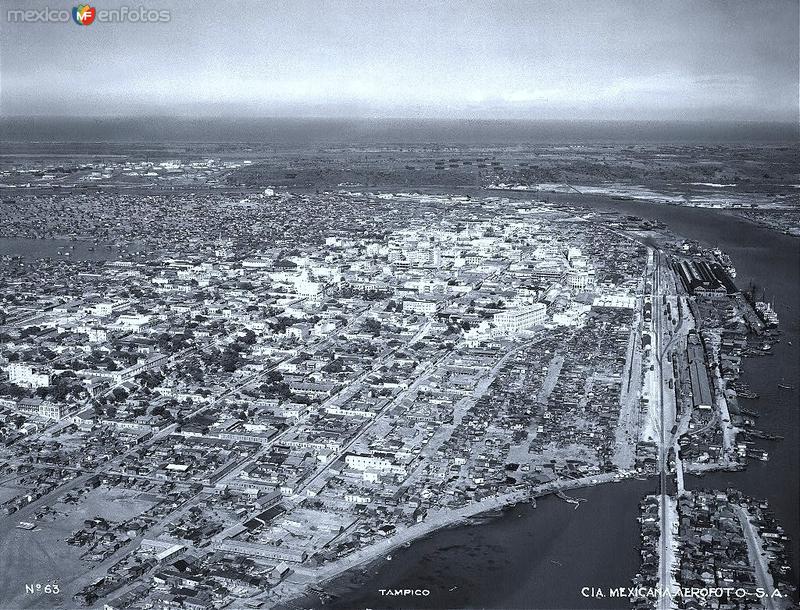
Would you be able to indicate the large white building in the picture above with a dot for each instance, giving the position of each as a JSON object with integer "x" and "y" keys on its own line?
{"x": 131, "y": 321}
{"x": 579, "y": 279}
{"x": 580, "y": 274}
{"x": 423, "y": 307}
{"x": 312, "y": 291}
{"x": 51, "y": 410}
{"x": 106, "y": 308}
{"x": 374, "y": 463}
{"x": 514, "y": 320}
{"x": 27, "y": 375}
{"x": 424, "y": 257}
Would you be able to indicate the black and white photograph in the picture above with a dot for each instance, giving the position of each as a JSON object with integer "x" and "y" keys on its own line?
{"x": 400, "y": 304}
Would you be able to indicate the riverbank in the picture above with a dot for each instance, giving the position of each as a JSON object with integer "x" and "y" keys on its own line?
{"x": 290, "y": 593}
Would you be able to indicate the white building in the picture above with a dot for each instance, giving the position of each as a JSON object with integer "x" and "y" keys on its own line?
{"x": 132, "y": 321}
{"x": 51, "y": 410}
{"x": 579, "y": 279}
{"x": 421, "y": 307}
{"x": 106, "y": 308}
{"x": 97, "y": 334}
{"x": 27, "y": 375}
{"x": 306, "y": 289}
{"x": 514, "y": 320}
{"x": 373, "y": 463}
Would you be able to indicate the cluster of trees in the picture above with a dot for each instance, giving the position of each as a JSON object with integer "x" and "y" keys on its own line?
{"x": 30, "y": 331}
{"x": 194, "y": 369}
{"x": 279, "y": 325}
{"x": 12, "y": 390}
{"x": 150, "y": 379}
{"x": 108, "y": 405}
{"x": 174, "y": 343}
{"x": 62, "y": 387}
{"x": 275, "y": 387}
{"x": 372, "y": 326}
{"x": 348, "y": 292}
{"x": 228, "y": 359}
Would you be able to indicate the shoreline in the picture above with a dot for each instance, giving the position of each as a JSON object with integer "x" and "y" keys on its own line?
{"x": 290, "y": 591}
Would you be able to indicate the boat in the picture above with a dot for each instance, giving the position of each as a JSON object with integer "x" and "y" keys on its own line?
{"x": 767, "y": 314}
{"x": 783, "y": 386}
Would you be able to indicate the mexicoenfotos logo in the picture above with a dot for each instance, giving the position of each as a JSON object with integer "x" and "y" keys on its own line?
{"x": 84, "y": 14}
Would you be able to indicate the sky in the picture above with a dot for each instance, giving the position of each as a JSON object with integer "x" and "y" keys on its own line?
{"x": 568, "y": 59}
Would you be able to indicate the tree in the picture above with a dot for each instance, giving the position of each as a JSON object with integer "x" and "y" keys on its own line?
{"x": 229, "y": 361}
{"x": 274, "y": 376}
{"x": 372, "y": 326}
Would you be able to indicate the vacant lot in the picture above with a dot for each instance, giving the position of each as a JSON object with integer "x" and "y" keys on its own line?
{"x": 42, "y": 555}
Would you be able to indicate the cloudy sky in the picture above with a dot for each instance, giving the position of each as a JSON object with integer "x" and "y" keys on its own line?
{"x": 565, "y": 59}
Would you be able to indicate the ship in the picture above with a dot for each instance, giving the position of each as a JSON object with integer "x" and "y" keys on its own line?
{"x": 726, "y": 262}
{"x": 767, "y": 314}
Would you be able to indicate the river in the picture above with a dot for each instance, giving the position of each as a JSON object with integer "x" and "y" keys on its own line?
{"x": 542, "y": 557}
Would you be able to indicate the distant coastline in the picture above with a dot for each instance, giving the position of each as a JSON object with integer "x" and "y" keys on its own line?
{"x": 384, "y": 131}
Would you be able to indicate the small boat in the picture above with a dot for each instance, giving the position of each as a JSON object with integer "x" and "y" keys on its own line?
{"x": 556, "y": 563}
{"x": 451, "y": 589}
{"x": 785, "y": 387}
{"x": 388, "y": 558}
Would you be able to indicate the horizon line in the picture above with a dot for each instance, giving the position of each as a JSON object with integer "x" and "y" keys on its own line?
{"x": 465, "y": 119}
